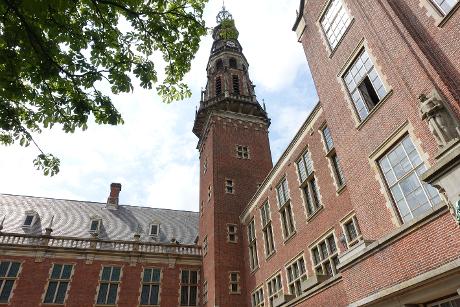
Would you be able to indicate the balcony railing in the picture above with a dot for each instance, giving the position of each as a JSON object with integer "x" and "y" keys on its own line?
{"x": 15, "y": 239}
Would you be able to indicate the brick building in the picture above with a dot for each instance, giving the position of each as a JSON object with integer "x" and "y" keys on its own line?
{"x": 360, "y": 210}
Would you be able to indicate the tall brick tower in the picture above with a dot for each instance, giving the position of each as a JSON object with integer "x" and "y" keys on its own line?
{"x": 235, "y": 157}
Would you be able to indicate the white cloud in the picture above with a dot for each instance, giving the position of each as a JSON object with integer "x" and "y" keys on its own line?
{"x": 154, "y": 153}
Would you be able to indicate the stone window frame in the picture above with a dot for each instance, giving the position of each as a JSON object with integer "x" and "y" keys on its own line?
{"x": 98, "y": 220}
{"x": 332, "y": 49}
{"x": 151, "y": 226}
{"x": 309, "y": 185}
{"x": 438, "y": 302}
{"x": 30, "y": 218}
{"x": 271, "y": 282}
{"x": 351, "y": 218}
{"x": 252, "y": 246}
{"x": 231, "y": 233}
{"x": 267, "y": 229}
{"x": 243, "y": 152}
{"x": 229, "y": 186}
{"x": 257, "y": 297}
{"x": 285, "y": 210}
{"x": 334, "y": 161}
{"x": 205, "y": 245}
{"x": 189, "y": 284}
{"x": 363, "y": 45}
{"x": 59, "y": 280}
{"x": 234, "y": 282}
{"x": 150, "y": 283}
{"x": 205, "y": 292}
{"x": 10, "y": 278}
{"x": 110, "y": 283}
{"x": 295, "y": 281}
{"x": 332, "y": 257}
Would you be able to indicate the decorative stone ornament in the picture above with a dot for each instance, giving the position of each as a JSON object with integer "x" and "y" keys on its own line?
{"x": 440, "y": 122}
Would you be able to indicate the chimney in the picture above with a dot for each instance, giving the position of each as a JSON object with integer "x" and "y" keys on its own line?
{"x": 112, "y": 201}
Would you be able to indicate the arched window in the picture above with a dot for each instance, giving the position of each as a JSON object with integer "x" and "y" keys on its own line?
{"x": 232, "y": 63}
{"x": 218, "y": 86}
{"x": 219, "y": 64}
{"x": 236, "y": 84}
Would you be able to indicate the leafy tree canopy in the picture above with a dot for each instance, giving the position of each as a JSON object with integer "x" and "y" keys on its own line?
{"x": 54, "y": 52}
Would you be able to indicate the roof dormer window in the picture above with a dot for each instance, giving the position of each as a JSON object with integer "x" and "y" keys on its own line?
{"x": 30, "y": 219}
{"x": 95, "y": 225}
{"x": 154, "y": 230}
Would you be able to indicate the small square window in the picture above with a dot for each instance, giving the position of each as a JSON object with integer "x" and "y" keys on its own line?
{"x": 229, "y": 186}
{"x": 242, "y": 152}
{"x": 29, "y": 220}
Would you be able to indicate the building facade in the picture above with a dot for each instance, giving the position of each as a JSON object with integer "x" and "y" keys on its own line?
{"x": 360, "y": 210}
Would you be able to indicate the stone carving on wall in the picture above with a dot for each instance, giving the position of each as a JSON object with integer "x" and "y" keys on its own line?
{"x": 440, "y": 122}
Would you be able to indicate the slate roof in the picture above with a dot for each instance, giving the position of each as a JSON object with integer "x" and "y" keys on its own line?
{"x": 73, "y": 218}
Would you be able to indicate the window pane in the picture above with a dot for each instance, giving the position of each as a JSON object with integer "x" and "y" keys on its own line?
{"x": 184, "y": 296}
{"x": 106, "y": 273}
{"x": 154, "y": 290}
{"x": 193, "y": 277}
{"x": 102, "y": 294}
{"x": 156, "y": 275}
{"x": 49, "y": 296}
{"x": 4, "y": 267}
{"x": 61, "y": 293}
{"x": 193, "y": 291}
{"x": 147, "y": 275}
{"x": 14, "y": 269}
{"x": 66, "y": 271}
{"x": 56, "y": 273}
{"x": 184, "y": 277}
{"x": 145, "y": 295}
{"x": 115, "y": 274}
{"x": 112, "y": 294}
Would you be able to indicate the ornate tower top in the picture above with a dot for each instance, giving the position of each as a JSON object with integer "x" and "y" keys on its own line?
{"x": 229, "y": 88}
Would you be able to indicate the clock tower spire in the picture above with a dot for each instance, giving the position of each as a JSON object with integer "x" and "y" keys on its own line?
{"x": 232, "y": 128}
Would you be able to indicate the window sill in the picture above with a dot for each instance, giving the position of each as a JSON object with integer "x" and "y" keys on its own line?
{"x": 268, "y": 257}
{"x": 333, "y": 50}
{"x": 341, "y": 189}
{"x": 253, "y": 271}
{"x": 288, "y": 238}
{"x": 314, "y": 214}
{"x": 374, "y": 110}
{"x": 449, "y": 15}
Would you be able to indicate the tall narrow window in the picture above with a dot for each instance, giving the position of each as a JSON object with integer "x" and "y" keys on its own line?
{"x": 219, "y": 64}
{"x": 308, "y": 183}
{"x": 284, "y": 204}
{"x": 218, "y": 86}
{"x": 253, "y": 258}
{"x": 258, "y": 298}
{"x": 232, "y": 233}
{"x": 401, "y": 167}
{"x": 58, "y": 283}
{"x": 335, "y": 22}
{"x": 351, "y": 231}
{"x": 295, "y": 273}
{"x": 236, "y": 85}
{"x": 189, "y": 288}
{"x": 234, "y": 282}
{"x": 325, "y": 256}
{"x": 267, "y": 229}
{"x": 150, "y": 294}
{"x": 275, "y": 288}
{"x": 333, "y": 158}
{"x": 154, "y": 230}
{"x": 364, "y": 84}
{"x": 95, "y": 225}
{"x": 445, "y": 6}
{"x": 8, "y": 274}
{"x": 232, "y": 63}
{"x": 205, "y": 245}
{"x": 108, "y": 285}
{"x": 229, "y": 186}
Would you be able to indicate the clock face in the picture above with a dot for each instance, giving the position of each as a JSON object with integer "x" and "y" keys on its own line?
{"x": 231, "y": 44}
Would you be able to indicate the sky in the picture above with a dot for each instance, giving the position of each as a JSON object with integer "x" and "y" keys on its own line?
{"x": 153, "y": 155}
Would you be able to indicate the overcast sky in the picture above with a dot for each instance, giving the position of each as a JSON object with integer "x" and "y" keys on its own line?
{"x": 153, "y": 155}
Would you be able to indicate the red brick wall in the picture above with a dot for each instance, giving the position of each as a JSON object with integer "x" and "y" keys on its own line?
{"x": 31, "y": 284}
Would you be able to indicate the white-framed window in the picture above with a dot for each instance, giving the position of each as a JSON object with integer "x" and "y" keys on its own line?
{"x": 234, "y": 282}
{"x": 154, "y": 230}
{"x": 325, "y": 256}
{"x": 58, "y": 283}
{"x": 445, "y": 6}
{"x": 29, "y": 219}
{"x": 109, "y": 283}
{"x": 257, "y": 298}
{"x": 351, "y": 231}
{"x": 285, "y": 209}
{"x": 205, "y": 245}
{"x": 364, "y": 84}
{"x": 267, "y": 229}
{"x": 95, "y": 225}
{"x": 189, "y": 288}
{"x": 232, "y": 233}
{"x": 295, "y": 272}
{"x": 333, "y": 158}
{"x": 308, "y": 183}
{"x": 401, "y": 167}
{"x": 275, "y": 288}
{"x": 229, "y": 189}
{"x": 448, "y": 302}
{"x": 242, "y": 152}
{"x": 253, "y": 257}
{"x": 9, "y": 271}
{"x": 335, "y": 22}
{"x": 205, "y": 292}
{"x": 151, "y": 279}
